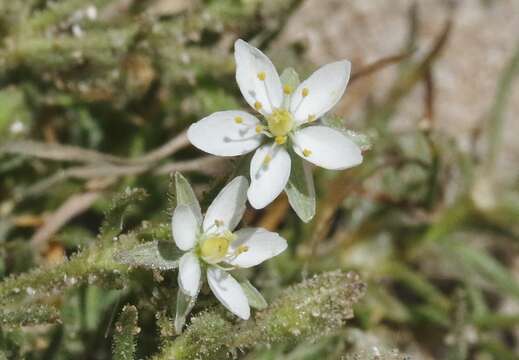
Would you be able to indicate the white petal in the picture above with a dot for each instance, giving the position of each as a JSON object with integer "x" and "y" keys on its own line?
{"x": 325, "y": 88}
{"x": 249, "y": 63}
{"x": 328, "y": 148}
{"x": 184, "y": 227}
{"x": 228, "y": 291}
{"x": 189, "y": 274}
{"x": 262, "y": 245}
{"x": 268, "y": 180}
{"x": 229, "y": 205}
{"x": 219, "y": 134}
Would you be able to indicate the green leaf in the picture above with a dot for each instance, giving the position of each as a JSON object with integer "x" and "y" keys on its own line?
{"x": 185, "y": 304}
{"x": 28, "y": 315}
{"x": 300, "y": 189}
{"x": 159, "y": 255}
{"x": 124, "y": 334}
{"x": 186, "y": 196}
{"x": 12, "y": 108}
{"x": 256, "y": 300}
{"x": 496, "y": 117}
{"x": 481, "y": 263}
{"x": 336, "y": 122}
{"x": 121, "y": 206}
{"x": 417, "y": 282}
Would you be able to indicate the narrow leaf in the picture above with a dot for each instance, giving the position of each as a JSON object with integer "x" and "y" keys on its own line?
{"x": 159, "y": 255}
{"x": 124, "y": 336}
{"x": 300, "y": 189}
{"x": 256, "y": 300}
{"x": 496, "y": 117}
{"x": 121, "y": 206}
{"x": 28, "y": 315}
{"x": 481, "y": 263}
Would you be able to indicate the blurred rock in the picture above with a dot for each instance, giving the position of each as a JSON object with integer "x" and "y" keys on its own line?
{"x": 481, "y": 43}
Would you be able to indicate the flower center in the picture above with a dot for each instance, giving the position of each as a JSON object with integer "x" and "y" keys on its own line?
{"x": 215, "y": 248}
{"x": 280, "y": 122}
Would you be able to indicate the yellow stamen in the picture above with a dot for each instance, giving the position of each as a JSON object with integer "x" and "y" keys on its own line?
{"x": 238, "y": 120}
{"x": 262, "y": 76}
{"x": 241, "y": 249}
{"x": 267, "y": 159}
{"x": 307, "y": 152}
{"x": 311, "y": 118}
{"x": 287, "y": 89}
{"x": 259, "y": 128}
{"x": 305, "y": 92}
{"x": 280, "y": 140}
{"x": 258, "y": 105}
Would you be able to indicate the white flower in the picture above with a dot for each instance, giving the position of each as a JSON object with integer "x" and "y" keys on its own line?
{"x": 211, "y": 245}
{"x": 288, "y": 119}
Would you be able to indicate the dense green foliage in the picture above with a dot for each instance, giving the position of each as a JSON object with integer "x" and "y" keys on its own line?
{"x": 95, "y": 96}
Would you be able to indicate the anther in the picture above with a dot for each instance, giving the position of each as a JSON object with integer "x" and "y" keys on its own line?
{"x": 241, "y": 249}
{"x": 238, "y": 120}
{"x": 257, "y": 105}
{"x": 307, "y": 152}
{"x": 262, "y": 76}
{"x": 259, "y": 128}
{"x": 280, "y": 140}
{"x": 305, "y": 92}
{"x": 267, "y": 159}
{"x": 287, "y": 89}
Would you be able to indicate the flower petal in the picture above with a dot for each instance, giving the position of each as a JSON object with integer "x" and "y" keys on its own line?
{"x": 228, "y": 291}
{"x": 324, "y": 88}
{"x": 229, "y": 205}
{"x": 326, "y": 147}
{"x": 189, "y": 274}
{"x": 251, "y": 64}
{"x": 225, "y": 133}
{"x": 262, "y": 245}
{"x": 268, "y": 179}
{"x": 184, "y": 226}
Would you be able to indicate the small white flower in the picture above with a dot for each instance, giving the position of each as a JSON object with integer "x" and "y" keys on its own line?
{"x": 288, "y": 119}
{"x": 211, "y": 245}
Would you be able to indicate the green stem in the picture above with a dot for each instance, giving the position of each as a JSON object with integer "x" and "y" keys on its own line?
{"x": 310, "y": 309}
{"x": 95, "y": 264}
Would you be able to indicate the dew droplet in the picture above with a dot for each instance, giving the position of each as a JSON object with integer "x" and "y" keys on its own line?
{"x": 30, "y": 291}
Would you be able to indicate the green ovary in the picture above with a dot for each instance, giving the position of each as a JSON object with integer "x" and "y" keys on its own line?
{"x": 215, "y": 248}
{"x": 280, "y": 122}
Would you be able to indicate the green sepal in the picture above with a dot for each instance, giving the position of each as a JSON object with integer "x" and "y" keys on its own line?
{"x": 185, "y": 304}
{"x": 300, "y": 188}
{"x": 290, "y": 77}
{"x": 185, "y": 195}
{"x": 363, "y": 141}
{"x": 254, "y": 297}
